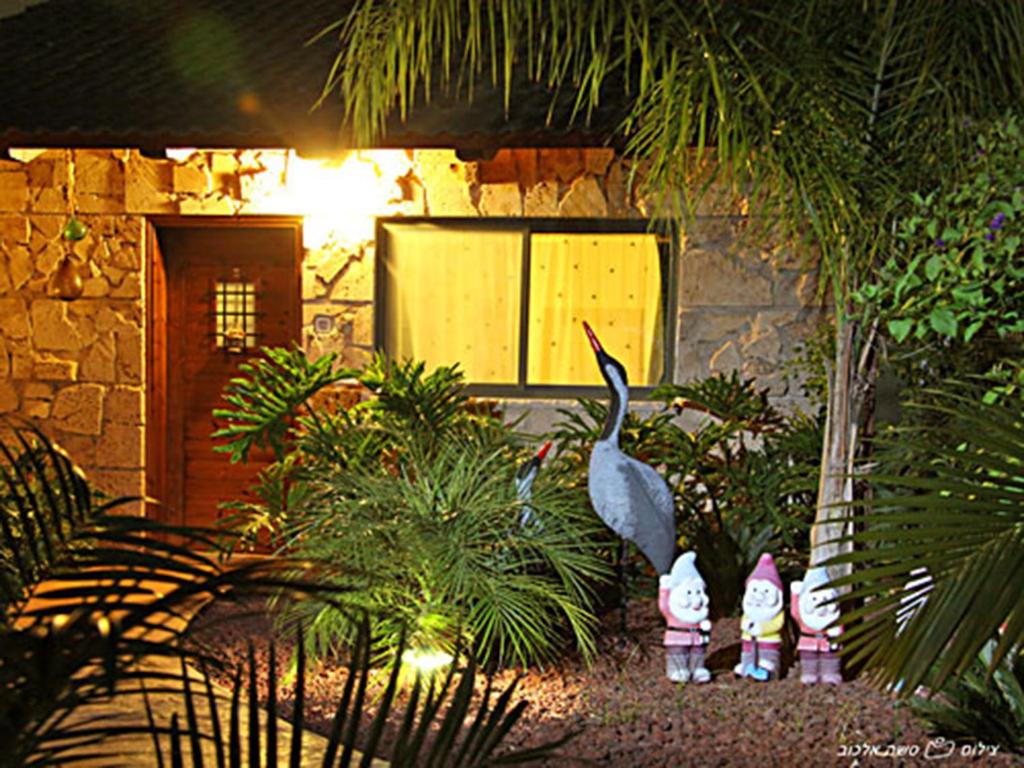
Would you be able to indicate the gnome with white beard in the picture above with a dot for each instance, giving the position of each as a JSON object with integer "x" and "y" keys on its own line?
{"x": 814, "y": 609}
{"x": 683, "y": 601}
{"x": 762, "y": 621}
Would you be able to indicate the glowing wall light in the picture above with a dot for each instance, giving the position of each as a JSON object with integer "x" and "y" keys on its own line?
{"x": 339, "y": 199}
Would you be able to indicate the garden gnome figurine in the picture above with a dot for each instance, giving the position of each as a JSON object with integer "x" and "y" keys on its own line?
{"x": 814, "y": 610}
{"x": 683, "y": 601}
{"x": 761, "y": 623}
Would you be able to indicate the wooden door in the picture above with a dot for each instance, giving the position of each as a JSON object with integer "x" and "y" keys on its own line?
{"x": 228, "y": 289}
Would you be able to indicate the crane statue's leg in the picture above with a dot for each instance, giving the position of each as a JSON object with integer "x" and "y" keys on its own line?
{"x": 623, "y": 553}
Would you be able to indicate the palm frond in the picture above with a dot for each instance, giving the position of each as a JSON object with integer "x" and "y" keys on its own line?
{"x": 957, "y": 511}
{"x": 443, "y": 713}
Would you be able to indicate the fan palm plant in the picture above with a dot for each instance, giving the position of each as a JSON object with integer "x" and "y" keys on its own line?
{"x": 955, "y": 509}
{"x": 826, "y": 114}
{"x": 433, "y": 717}
{"x": 92, "y": 600}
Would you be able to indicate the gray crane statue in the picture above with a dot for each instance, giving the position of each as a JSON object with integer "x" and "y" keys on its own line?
{"x": 525, "y": 475}
{"x": 631, "y": 498}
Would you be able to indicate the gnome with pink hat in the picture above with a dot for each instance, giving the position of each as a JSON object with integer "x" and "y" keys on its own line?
{"x": 762, "y": 621}
{"x": 683, "y": 601}
{"x": 813, "y": 606}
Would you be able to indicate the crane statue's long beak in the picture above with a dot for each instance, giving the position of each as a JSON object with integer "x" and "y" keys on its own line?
{"x": 593, "y": 339}
{"x": 543, "y": 451}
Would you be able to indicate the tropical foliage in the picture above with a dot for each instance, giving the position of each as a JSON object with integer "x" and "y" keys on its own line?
{"x": 986, "y": 704}
{"x": 432, "y": 718}
{"x": 414, "y": 492}
{"x": 959, "y": 267}
{"x": 826, "y": 115}
{"x": 741, "y": 478}
{"x": 91, "y": 601}
{"x": 956, "y": 509}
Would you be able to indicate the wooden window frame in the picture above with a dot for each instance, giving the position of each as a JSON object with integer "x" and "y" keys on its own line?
{"x": 666, "y": 232}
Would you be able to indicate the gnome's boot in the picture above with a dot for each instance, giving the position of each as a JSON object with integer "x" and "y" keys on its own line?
{"x": 746, "y": 662}
{"x": 698, "y": 672}
{"x": 831, "y": 671}
{"x": 676, "y": 667}
{"x": 809, "y": 667}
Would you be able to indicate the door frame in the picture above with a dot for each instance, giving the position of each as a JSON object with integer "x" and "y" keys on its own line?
{"x": 159, "y": 420}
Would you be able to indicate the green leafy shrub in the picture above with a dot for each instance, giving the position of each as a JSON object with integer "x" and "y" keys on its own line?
{"x": 744, "y": 481}
{"x": 960, "y": 269}
{"x": 414, "y": 491}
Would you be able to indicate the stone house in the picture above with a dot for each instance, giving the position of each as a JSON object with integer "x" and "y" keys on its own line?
{"x": 223, "y": 214}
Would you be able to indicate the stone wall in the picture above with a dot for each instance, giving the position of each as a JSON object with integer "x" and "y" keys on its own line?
{"x": 77, "y": 367}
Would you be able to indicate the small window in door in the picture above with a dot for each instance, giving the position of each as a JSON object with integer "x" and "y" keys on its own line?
{"x": 235, "y": 315}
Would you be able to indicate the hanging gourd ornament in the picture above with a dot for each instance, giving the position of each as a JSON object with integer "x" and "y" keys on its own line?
{"x": 67, "y": 282}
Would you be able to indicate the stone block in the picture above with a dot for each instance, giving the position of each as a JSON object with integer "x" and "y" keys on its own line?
{"x": 362, "y": 325}
{"x": 501, "y": 200}
{"x": 8, "y": 396}
{"x": 98, "y": 361}
{"x": 20, "y": 266}
{"x": 50, "y": 368}
{"x": 89, "y": 202}
{"x": 79, "y": 408}
{"x": 725, "y": 359}
{"x": 38, "y": 390}
{"x": 794, "y": 288}
{"x": 5, "y": 359}
{"x": 445, "y": 182}
{"x": 585, "y": 198}
{"x": 500, "y": 169}
{"x": 124, "y": 406}
{"x": 48, "y": 200}
{"x": 129, "y": 356}
{"x": 330, "y": 263}
{"x": 36, "y": 409}
{"x": 119, "y": 446}
{"x": 597, "y": 159}
{"x": 710, "y": 325}
{"x": 15, "y": 229}
{"x": 355, "y": 283}
{"x": 762, "y": 340}
{"x": 561, "y": 164}
{"x": 95, "y": 288}
{"x": 616, "y": 185}
{"x": 541, "y": 199}
{"x": 100, "y": 173}
{"x": 189, "y": 179}
{"x": 715, "y": 278}
{"x": 51, "y": 328}
{"x": 81, "y": 448}
{"x": 119, "y": 482}
{"x": 130, "y": 287}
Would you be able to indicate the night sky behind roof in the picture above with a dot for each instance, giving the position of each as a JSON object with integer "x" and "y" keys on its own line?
{"x": 220, "y": 73}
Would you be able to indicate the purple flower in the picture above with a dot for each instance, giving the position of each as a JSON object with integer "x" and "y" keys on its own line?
{"x": 990, "y": 236}
{"x": 940, "y": 243}
{"x": 997, "y": 221}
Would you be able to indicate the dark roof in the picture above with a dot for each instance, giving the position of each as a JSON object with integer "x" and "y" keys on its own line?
{"x": 220, "y": 73}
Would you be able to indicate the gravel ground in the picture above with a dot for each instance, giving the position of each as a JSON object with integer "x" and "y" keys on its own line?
{"x": 626, "y": 713}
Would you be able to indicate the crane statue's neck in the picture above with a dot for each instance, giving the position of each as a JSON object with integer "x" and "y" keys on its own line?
{"x": 617, "y": 406}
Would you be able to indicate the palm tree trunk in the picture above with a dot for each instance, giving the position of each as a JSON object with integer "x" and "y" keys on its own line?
{"x": 850, "y": 379}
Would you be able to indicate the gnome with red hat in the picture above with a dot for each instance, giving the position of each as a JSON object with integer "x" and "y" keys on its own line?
{"x": 813, "y": 606}
{"x": 762, "y": 621}
{"x": 683, "y": 601}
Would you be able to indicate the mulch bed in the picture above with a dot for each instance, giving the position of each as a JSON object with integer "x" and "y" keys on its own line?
{"x": 626, "y": 713}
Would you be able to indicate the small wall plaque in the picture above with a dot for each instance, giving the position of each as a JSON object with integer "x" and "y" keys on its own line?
{"x": 323, "y": 324}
